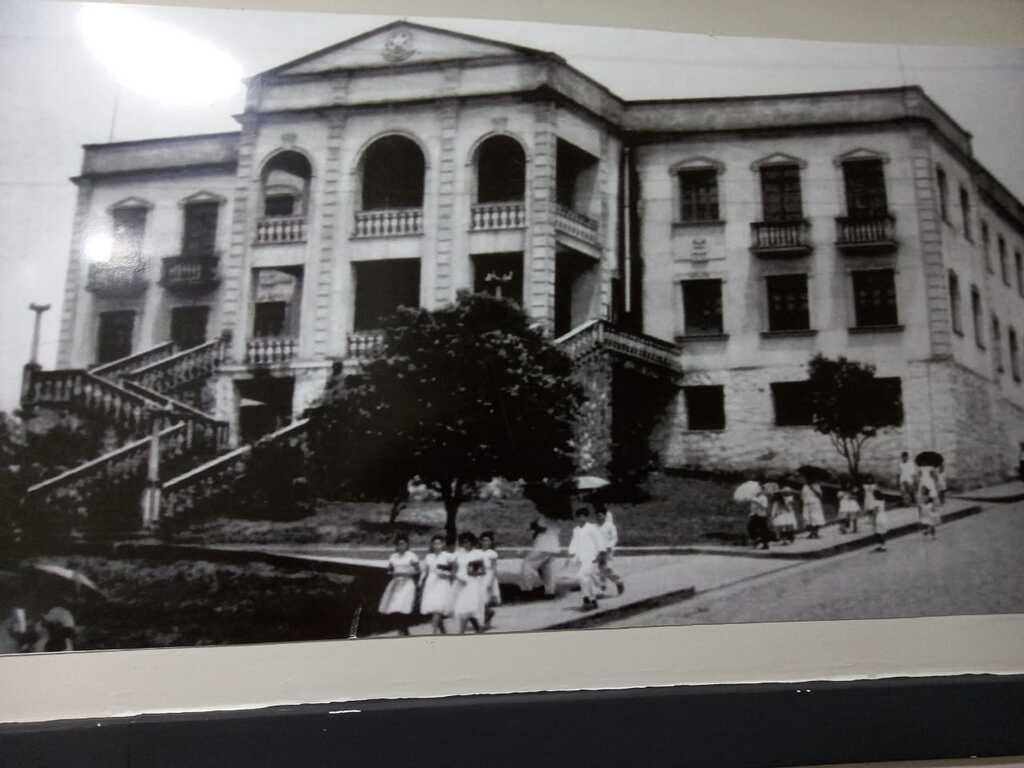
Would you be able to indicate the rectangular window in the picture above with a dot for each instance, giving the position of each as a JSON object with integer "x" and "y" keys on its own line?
{"x": 997, "y": 345}
{"x": 277, "y": 301}
{"x": 382, "y": 287}
{"x": 978, "y": 317}
{"x": 1004, "y": 268}
{"x": 188, "y": 325}
{"x": 116, "y": 331}
{"x": 940, "y": 180}
{"x": 954, "y": 303}
{"x": 865, "y": 189}
{"x": 888, "y": 404}
{"x": 705, "y": 407}
{"x": 965, "y": 213}
{"x": 702, "y": 308}
{"x": 986, "y": 247}
{"x": 874, "y": 298}
{"x": 279, "y": 205}
{"x": 698, "y": 194}
{"x": 780, "y": 193}
{"x": 499, "y": 274}
{"x": 129, "y": 229}
{"x": 200, "y": 229}
{"x": 269, "y": 319}
{"x": 1018, "y": 261}
{"x": 792, "y": 403}
{"x": 787, "y": 303}
{"x": 1014, "y": 355}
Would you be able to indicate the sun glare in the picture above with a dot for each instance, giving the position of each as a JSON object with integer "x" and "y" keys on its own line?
{"x": 98, "y": 248}
{"x": 158, "y": 60}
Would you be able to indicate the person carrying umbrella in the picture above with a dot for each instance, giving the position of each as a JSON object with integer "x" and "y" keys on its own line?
{"x": 753, "y": 493}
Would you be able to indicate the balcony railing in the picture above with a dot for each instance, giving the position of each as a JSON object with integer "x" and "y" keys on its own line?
{"x": 866, "y": 233}
{"x": 389, "y": 222}
{"x": 269, "y": 350}
{"x": 184, "y": 273}
{"x": 363, "y": 344}
{"x": 780, "y": 238}
{"x": 489, "y": 216}
{"x": 281, "y": 229}
{"x": 601, "y": 335}
{"x": 576, "y": 224}
{"x": 117, "y": 280}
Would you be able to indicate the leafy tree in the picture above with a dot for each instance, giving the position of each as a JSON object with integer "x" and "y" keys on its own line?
{"x": 850, "y": 405}
{"x": 457, "y": 396}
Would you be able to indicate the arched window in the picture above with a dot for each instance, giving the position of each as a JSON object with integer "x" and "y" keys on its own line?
{"x": 393, "y": 170}
{"x": 286, "y": 184}
{"x": 501, "y": 170}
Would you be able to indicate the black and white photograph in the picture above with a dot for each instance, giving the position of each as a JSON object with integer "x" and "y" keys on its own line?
{"x": 329, "y": 327}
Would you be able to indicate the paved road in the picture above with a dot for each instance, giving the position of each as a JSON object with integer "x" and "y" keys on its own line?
{"x": 976, "y": 565}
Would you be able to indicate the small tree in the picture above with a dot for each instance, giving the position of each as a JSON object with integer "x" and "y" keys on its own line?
{"x": 457, "y": 396}
{"x": 850, "y": 405}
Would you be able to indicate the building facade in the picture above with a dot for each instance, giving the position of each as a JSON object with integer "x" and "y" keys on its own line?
{"x": 720, "y": 242}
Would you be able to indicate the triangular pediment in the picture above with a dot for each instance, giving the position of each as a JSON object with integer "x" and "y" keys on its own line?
{"x": 396, "y": 44}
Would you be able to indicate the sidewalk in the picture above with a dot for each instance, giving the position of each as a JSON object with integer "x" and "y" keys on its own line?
{"x": 1005, "y": 493}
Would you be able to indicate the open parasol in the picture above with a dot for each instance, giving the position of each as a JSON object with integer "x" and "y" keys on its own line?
{"x": 929, "y": 459}
{"x": 583, "y": 483}
{"x": 746, "y": 491}
{"x": 813, "y": 474}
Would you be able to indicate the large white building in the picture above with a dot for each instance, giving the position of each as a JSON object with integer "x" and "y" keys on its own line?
{"x": 707, "y": 248}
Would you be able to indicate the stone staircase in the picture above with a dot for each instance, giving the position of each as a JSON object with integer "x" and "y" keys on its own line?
{"x": 138, "y": 396}
{"x": 635, "y": 350}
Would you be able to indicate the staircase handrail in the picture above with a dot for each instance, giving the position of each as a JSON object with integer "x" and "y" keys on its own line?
{"x": 147, "y": 373}
{"x": 217, "y": 426}
{"x": 110, "y": 456}
{"x": 129, "y": 362}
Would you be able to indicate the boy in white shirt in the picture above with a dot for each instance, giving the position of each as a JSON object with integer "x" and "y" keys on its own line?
{"x": 908, "y": 479}
{"x": 611, "y": 540}
{"x": 586, "y": 547}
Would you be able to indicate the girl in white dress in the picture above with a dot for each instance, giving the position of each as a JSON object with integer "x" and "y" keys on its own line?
{"x": 492, "y": 589}
{"x": 436, "y": 584}
{"x": 400, "y": 594}
{"x": 849, "y": 510}
{"x": 874, "y": 508}
{"x": 814, "y": 512}
{"x": 784, "y": 516}
{"x": 469, "y": 594}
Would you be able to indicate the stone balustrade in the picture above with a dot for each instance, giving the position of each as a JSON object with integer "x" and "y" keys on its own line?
{"x": 389, "y": 222}
{"x": 780, "y": 237}
{"x": 185, "y": 368}
{"x": 362, "y": 344}
{"x": 601, "y": 335}
{"x": 865, "y": 232}
{"x": 491, "y": 216}
{"x": 268, "y": 350}
{"x": 272, "y": 230}
{"x": 113, "y": 370}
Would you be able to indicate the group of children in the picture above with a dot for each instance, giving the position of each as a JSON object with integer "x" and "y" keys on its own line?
{"x": 593, "y": 548}
{"x": 461, "y": 584}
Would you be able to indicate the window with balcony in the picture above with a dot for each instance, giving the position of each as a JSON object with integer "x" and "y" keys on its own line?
{"x": 943, "y": 192}
{"x": 874, "y": 298}
{"x": 864, "y": 181}
{"x": 965, "y": 213}
{"x": 393, "y": 176}
{"x": 1004, "y": 267}
{"x": 277, "y": 302}
{"x": 792, "y": 403}
{"x": 702, "y": 308}
{"x": 698, "y": 195}
{"x": 382, "y": 287}
{"x": 499, "y": 274}
{"x": 285, "y": 182}
{"x": 997, "y": 345}
{"x": 977, "y": 317}
{"x": 781, "y": 199}
{"x": 986, "y": 247}
{"x": 705, "y": 407}
{"x": 1014, "y": 355}
{"x": 788, "y": 308}
{"x": 129, "y": 226}
{"x": 200, "y": 233}
{"x": 954, "y": 303}
{"x": 500, "y": 185}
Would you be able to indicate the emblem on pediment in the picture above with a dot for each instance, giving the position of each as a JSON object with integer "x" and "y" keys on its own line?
{"x": 398, "y": 46}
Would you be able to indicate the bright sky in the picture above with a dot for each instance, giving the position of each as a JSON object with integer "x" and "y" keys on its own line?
{"x": 56, "y": 94}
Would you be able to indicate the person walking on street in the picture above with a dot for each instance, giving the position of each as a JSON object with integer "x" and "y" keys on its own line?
{"x": 492, "y": 588}
{"x": 436, "y": 584}
{"x": 586, "y": 547}
{"x": 814, "y": 511}
{"x": 758, "y": 529}
{"x": 400, "y": 594}
{"x": 611, "y": 540}
{"x": 874, "y": 508}
{"x": 908, "y": 479}
{"x": 784, "y": 515}
{"x": 537, "y": 570}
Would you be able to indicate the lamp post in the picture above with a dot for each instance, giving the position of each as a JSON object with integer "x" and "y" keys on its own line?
{"x": 33, "y": 361}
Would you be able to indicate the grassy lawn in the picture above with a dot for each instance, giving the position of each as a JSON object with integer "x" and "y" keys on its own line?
{"x": 680, "y": 511}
